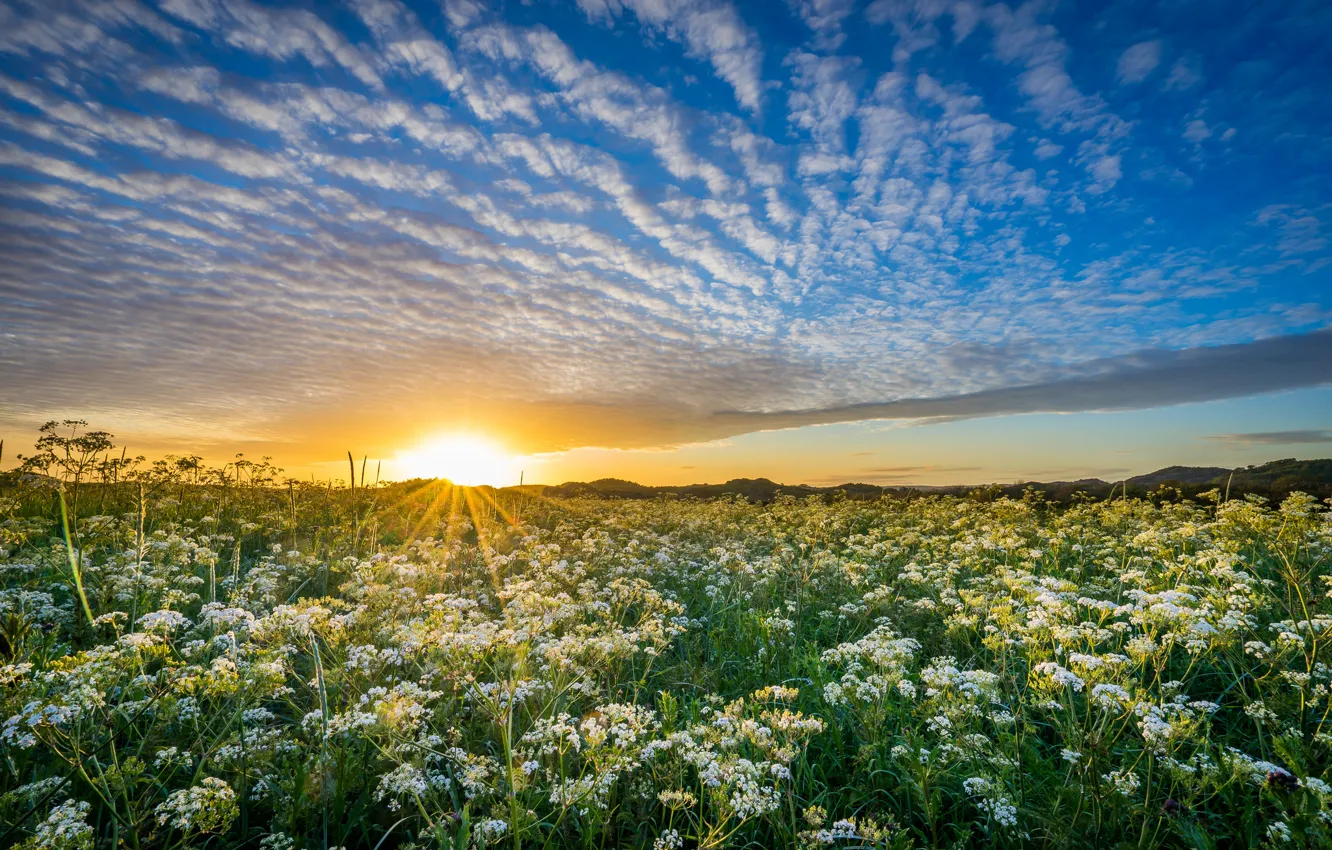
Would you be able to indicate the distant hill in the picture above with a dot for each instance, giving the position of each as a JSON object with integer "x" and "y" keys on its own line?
{"x": 1273, "y": 480}
{"x": 754, "y": 489}
{"x": 1180, "y": 475}
{"x": 1286, "y": 474}
{"x": 1289, "y": 473}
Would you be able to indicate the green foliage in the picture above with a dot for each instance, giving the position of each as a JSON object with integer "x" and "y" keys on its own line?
{"x": 278, "y": 664}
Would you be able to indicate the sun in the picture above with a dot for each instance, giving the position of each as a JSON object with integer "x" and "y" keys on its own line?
{"x": 465, "y": 459}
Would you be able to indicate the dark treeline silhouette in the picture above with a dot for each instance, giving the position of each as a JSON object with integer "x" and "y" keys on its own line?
{"x": 1273, "y": 481}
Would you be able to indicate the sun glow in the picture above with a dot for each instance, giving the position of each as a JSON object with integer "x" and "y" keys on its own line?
{"x": 464, "y": 459}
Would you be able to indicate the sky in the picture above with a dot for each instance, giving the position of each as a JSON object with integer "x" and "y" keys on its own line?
{"x": 902, "y": 241}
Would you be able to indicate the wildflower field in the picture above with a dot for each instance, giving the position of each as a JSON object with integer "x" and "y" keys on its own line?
{"x": 213, "y": 657}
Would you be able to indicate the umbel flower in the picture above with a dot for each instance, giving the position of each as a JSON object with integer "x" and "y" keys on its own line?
{"x": 670, "y": 674}
{"x": 207, "y": 807}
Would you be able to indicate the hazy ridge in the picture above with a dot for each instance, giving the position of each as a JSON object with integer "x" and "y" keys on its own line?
{"x": 1273, "y": 480}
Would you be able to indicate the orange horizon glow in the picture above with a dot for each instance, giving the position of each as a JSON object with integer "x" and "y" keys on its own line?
{"x": 503, "y": 448}
{"x": 468, "y": 459}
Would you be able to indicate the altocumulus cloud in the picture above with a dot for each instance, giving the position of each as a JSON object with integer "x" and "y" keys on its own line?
{"x": 625, "y": 223}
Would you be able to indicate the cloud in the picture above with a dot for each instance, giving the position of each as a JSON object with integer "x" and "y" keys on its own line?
{"x": 1137, "y": 62}
{"x": 1020, "y": 37}
{"x": 709, "y": 29}
{"x": 638, "y": 112}
{"x": 187, "y": 85}
{"x": 901, "y": 470}
{"x": 894, "y": 476}
{"x": 277, "y": 33}
{"x": 1301, "y": 228}
{"x": 376, "y": 218}
{"x": 1106, "y": 171}
{"x": 1275, "y": 438}
{"x": 82, "y": 33}
{"x": 1142, "y": 380}
{"x": 407, "y": 45}
{"x": 826, "y": 19}
{"x": 823, "y": 97}
{"x": 156, "y": 135}
{"x": 1184, "y": 75}
{"x": 1046, "y": 149}
{"x": 1197, "y": 131}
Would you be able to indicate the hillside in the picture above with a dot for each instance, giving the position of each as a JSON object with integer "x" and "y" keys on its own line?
{"x": 1286, "y": 472}
{"x": 1180, "y": 475}
{"x": 1273, "y": 480}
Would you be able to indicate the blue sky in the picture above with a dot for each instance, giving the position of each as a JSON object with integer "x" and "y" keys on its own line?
{"x": 614, "y": 226}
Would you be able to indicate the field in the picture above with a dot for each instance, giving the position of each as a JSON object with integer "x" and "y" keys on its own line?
{"x": 217, "y": 657}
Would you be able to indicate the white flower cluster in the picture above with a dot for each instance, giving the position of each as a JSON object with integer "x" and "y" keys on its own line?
{"x": 659, "y": 672}
{"x": 991, "y": 801}
{"x": 65, "y": 828}
{"x": 207, "y": 807}
{"x": 668, "y": 840}
{"x": 875, "y": 667}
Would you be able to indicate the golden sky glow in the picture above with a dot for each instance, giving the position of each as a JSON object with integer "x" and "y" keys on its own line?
{"x": 478, "y": 445}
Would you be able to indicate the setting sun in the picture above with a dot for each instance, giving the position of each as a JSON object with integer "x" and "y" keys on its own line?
{"x": 464, "y": 459}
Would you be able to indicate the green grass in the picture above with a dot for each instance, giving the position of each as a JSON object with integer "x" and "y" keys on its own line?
{"x": 239, "y": 662}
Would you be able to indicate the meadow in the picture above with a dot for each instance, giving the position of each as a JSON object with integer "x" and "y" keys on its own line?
{"x": 195, "y": 656}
